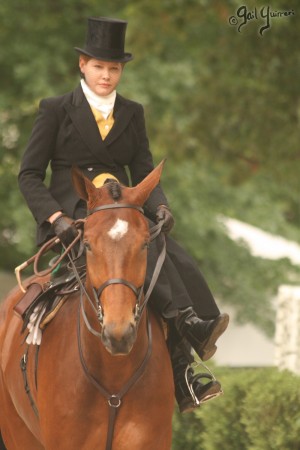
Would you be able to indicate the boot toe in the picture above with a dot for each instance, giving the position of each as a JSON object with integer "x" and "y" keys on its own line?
{"x": 203, "y": 392}
{"x": 208, "y": 348}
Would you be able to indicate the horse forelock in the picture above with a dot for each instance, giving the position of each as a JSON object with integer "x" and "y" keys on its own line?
{"x": 110, "y": 190}
{"x": 114, "y": 189}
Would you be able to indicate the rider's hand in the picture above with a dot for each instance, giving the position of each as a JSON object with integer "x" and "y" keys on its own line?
{"x": 65, "y": 229}
{"x": 164, "y": 214}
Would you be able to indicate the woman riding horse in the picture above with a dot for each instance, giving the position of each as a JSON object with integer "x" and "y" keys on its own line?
{"x": 104, "y": 134}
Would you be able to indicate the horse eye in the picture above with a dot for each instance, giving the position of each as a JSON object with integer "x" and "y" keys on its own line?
{"x": 87, "y": 245}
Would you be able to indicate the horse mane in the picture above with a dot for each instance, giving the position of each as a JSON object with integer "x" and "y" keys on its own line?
{"x": 114, "y": 188}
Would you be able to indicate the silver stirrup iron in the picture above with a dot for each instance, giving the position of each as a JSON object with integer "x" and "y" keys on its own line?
{"x": 194, "y": 365}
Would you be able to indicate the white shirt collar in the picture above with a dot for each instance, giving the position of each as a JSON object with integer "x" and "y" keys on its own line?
{"x": 104, "y": 104}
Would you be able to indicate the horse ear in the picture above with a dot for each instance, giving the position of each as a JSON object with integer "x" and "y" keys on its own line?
{"x": 140, "y": 193}
{"x": 84, "y": 187}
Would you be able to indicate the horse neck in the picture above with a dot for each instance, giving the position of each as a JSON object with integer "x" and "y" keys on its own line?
{"x": 112, "y": 371}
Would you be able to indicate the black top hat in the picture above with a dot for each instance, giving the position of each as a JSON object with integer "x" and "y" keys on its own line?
{"x": 105, "y": 40}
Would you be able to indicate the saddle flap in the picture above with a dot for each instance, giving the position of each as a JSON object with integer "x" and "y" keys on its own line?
{"x": 33, "y": 291}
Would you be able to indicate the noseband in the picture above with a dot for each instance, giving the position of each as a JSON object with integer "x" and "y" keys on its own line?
{"x": 138, "y": 291}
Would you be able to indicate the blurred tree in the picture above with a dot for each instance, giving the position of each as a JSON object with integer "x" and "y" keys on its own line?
{"x": 229, "y": 96}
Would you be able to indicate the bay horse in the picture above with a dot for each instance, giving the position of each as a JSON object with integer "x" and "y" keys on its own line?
{"x": 102, "y": 378}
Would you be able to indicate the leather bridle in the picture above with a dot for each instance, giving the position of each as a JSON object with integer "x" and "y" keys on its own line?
{"x": 114, "y": 400}
{"x": 138, "y": 291}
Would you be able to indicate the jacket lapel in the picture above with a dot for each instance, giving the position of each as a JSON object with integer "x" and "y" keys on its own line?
{"x": 123, "y": 112}
{"x": 83, "y": 119}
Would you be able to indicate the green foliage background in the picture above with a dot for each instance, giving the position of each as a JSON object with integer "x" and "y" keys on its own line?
{"x": 223, "y": 106}
{"x": 258, "y": 411}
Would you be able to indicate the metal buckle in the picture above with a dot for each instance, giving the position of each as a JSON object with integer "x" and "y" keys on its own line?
{"x": 100, "y": 314}
{"x": 137, "y": 312}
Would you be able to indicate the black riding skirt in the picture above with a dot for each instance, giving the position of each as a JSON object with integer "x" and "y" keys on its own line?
{"x": 180, "y": 283}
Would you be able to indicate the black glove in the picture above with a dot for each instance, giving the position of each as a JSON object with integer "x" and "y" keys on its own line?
{"x": 163, "y": 213}
{"x": 65, "y": 229}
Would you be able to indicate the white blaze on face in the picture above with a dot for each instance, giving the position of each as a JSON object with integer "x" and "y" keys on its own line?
{"x": 119, "y": 230}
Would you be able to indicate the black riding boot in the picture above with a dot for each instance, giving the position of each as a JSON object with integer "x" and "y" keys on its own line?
{"x": 201, "y": 334}
{"x": 190, "y": 392}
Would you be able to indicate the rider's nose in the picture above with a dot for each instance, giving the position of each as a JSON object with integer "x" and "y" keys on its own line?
{"x": 106, "y": 74}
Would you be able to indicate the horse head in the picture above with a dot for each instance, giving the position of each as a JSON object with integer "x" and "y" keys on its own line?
{"x": 116, "y": 238}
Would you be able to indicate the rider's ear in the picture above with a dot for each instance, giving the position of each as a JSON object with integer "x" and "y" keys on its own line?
{"x": 140, "y": 193}
{"x": 83, "y": 186}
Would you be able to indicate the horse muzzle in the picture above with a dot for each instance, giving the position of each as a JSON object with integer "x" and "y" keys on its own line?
{"x": 118, "y": 339}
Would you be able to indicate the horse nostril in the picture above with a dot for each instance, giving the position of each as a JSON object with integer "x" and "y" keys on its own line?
{"x": 118, "y": 340}
{"x": 131, "y": 332}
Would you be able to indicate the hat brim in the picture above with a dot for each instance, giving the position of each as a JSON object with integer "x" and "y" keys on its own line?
{"x": 125, "y": 58}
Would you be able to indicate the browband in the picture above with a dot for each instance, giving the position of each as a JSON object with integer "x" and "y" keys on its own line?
{"x": 113, "y": 206}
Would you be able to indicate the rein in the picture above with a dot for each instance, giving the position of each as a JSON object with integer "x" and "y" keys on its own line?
{"x": 114, "y": 400}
